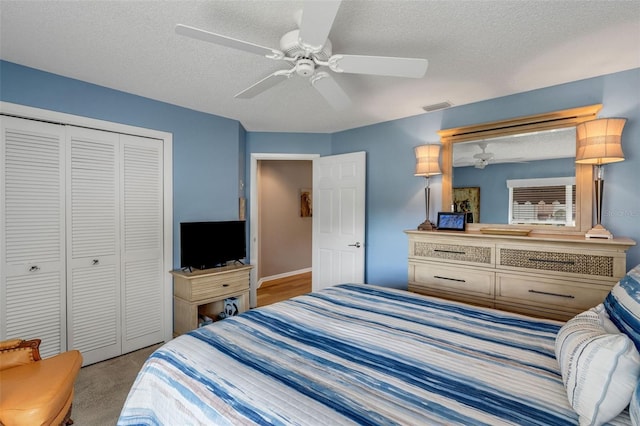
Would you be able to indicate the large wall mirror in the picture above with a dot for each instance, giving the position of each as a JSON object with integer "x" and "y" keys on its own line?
{"x": 520, "y": 173}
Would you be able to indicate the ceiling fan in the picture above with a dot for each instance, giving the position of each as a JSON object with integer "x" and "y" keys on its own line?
{"x": 308, "y": 52}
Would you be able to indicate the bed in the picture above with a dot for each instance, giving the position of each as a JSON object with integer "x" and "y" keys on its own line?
{"x": 358, "y": 354}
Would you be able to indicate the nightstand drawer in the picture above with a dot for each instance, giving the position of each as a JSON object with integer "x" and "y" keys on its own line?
{"x": 545, "y": 292}
{"x": 215, "y": 286}
{"x": 453, "y": 279}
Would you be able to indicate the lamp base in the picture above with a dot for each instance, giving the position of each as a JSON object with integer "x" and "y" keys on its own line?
{"x": 598, "y": 231}
{"x": 427, "y": 226}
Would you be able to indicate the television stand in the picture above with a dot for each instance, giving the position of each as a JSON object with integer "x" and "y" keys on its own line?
{"x": 202, "y": 292}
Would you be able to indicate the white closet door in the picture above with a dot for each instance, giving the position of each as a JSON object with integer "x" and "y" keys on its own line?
{"x": 142, "y": 241}
{"x": 32, "y": 225}
{"x": 93, "y": 253}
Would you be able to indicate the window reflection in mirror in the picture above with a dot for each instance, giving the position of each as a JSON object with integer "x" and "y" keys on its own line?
{"x": 490, "y": 163}
{"x": 545, "y": 201}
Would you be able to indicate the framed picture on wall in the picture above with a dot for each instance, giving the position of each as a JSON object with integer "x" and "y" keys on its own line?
{"x": 242, "y": 208}
{"x": 467, "y": 200}
{"x": 306, "y": 206}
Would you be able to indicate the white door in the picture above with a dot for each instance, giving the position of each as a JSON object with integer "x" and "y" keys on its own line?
{"x": 32, "y": 233}
{"x": 93, "y": 244}
{"x": 339, "y": 216}
{"x": 141, "y": 242}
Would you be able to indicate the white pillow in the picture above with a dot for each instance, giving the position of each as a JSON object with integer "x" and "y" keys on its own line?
{"x": 600, "y": 368}
{"x": 634, "y": 407}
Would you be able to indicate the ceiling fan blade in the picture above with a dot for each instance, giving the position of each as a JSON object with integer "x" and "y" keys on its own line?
{"x": 483, "y": 156}
{"x": 265, "y": 84}
{"x": 379, "y": 65}
{"x": 316, "y": 22}
{"x": 203, "y": 35}
{"x": 330, "y": 90}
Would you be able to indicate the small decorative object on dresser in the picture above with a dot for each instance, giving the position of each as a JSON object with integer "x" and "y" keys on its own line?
{"x": 467, "y": 200}
{"x": 452, "y": 221}
{"x": 549, "y": 276}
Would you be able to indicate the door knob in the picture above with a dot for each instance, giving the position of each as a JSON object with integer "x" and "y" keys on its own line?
{"x": 356, "y": 245}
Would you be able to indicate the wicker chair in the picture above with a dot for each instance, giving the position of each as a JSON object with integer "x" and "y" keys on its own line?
{"x": 36, "y": 391}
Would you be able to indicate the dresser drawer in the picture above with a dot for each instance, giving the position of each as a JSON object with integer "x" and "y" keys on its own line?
{"x": 556, "y": 261}
{"x": 549, "y": 292}
{"x": 451, "y": 252}
{"x": 456, "y": 279}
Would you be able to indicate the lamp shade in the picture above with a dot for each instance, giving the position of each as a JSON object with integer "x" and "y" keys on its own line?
{"x": 599, "y": 141}
{"x": 427, "y": 160}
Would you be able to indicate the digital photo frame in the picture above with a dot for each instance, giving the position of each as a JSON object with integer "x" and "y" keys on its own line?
{"x": 450, "y": 221}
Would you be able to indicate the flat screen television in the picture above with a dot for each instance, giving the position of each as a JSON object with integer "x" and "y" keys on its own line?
{"x": 205, "y": 245}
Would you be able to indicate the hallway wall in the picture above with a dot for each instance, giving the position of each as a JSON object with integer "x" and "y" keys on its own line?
{"x": 285, "y": 236}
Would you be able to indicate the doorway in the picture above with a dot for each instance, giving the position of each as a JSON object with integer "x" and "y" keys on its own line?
{"x": 255, "y": 221}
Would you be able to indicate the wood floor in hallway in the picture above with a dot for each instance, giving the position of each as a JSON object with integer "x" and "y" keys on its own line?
{"x": 284, "y": 288}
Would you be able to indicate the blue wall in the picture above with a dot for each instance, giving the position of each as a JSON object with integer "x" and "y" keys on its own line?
{"x": 207, "y": 150}
{"x": 395, "y": 198}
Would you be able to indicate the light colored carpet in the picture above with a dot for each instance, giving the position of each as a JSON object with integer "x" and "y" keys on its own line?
{"x": 102, "y": 388}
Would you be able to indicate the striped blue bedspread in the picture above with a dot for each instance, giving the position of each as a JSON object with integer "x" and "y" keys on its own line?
{"x": 357, "y": 354}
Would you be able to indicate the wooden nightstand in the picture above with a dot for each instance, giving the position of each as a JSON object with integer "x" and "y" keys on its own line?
{"x": 203, "y": 293}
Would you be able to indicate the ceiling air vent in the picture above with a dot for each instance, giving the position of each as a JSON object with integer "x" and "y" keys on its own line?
{"x": 436, "y": 107}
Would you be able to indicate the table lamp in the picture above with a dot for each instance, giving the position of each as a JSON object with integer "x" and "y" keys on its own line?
{"x": 599, "y": 142}
{"x": 427, "y": 166}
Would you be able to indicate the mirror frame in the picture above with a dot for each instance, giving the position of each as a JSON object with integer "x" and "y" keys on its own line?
{"x": 531, "y": 123}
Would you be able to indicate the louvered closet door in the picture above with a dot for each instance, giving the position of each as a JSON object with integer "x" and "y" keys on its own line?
{"x": 32, "y": 253}
{"x": 142, "y": 241}
{"x": 93, "y": 254}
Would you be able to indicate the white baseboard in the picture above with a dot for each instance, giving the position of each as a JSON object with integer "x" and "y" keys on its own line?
{"x": 283, "y": 275}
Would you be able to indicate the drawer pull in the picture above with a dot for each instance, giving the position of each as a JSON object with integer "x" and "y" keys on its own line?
{"x": 564, "y": 262}
{"x": 225, "y": 285}
{"x": 568, "y": 296}
{"x": 449, "y": 251}
{"x": 450, "y": 279}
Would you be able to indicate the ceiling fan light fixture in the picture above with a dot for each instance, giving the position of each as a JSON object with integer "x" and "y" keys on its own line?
{"x": 305, "y": 67}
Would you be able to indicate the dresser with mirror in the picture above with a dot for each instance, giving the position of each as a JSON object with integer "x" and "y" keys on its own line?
{"x": 521, "y": 255}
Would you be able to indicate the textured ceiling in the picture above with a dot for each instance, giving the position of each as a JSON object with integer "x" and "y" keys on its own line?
{"x": 477, "y": 50}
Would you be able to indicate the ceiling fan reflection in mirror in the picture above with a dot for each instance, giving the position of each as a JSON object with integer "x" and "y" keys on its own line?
{"x": 482, "y": 158}
{"x": 309, "y": 52}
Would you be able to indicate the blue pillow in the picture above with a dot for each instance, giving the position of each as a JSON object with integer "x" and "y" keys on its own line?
{"x": 623, "y": 305}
